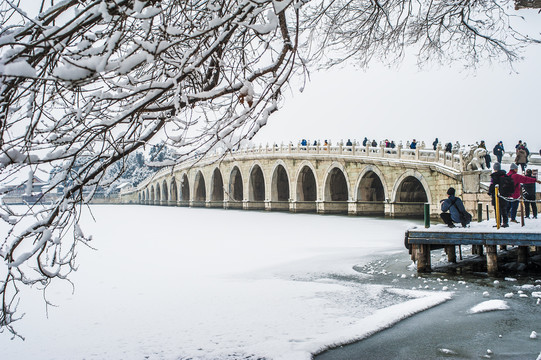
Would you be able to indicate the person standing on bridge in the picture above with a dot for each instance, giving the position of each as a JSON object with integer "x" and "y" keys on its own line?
{"x": 529, "y": 196}
{"x": 457, "y": 212}
{"x": 495, "y": 179}
{"x": 518, "y": 180}
{"x": 498, "y": 151}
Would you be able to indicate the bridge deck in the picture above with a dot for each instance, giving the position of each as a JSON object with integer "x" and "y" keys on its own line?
{"x": 420, "y": 242}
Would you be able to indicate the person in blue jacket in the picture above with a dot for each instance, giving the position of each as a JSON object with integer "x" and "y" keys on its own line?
{"x": 498, "y": 151}
{"x": 455, "y": 206}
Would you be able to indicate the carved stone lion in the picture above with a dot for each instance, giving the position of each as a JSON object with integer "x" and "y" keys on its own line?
{"x": 476, "y": 159}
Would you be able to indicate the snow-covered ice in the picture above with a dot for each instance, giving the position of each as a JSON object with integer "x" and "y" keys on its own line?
{"x": 489, "y": 305}
{"x": 170, "y": 283}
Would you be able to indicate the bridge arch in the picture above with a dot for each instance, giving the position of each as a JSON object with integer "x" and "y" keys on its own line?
{"x": 152, "y": 195}
{"x": 411, "y": 186}
{"x": 184, "y": 188}
{"x": 236, "y": 189}
{"x": 216, "y": 186}
{"x": 256, "y": 183}
{"x": 371, "y": 185}
{"x": 306, "y": 182}
{"x": 280, "y": 189}
{"x": 410, "y": 193}
{"x": 200, "y": 193}
{"x": 165, "y": 193}
{"x": 173, "y": 196}
{"x": 336, "y": 185}
{"x": 158, "y": 193}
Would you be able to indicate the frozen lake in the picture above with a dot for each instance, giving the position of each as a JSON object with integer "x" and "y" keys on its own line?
{"x": 178, "y": 283}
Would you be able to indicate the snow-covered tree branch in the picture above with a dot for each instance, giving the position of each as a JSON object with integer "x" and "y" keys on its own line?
{"x": 86, "y": 83}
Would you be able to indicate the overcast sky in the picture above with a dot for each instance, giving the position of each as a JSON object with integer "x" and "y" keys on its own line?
{"x": 402, "y": 103}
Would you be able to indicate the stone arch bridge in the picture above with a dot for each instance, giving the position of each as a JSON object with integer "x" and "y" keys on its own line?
{"x": 322, "y": 179}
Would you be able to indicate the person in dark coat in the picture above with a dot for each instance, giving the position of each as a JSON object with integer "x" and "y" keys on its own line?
{"x": 455, "y": 206}
{"x": 365, "y": 141}
{"x": 521, "y": 158}
{"x": 504, "y": 205}
{"x": 529, "y": 196}
{"x": 413, "y": 144}
{"x": 518, "y": 180}
{"x": 498, "y": 151}
{"x": 448, "y": 147}
{"x": 435, "y": 144}
{"x": 374, "y": 143}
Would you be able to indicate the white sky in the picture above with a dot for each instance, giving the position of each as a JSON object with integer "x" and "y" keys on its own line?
{"x": 402, "y": 103}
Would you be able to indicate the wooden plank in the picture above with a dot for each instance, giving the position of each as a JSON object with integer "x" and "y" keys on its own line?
{"x": 472, "y": 238}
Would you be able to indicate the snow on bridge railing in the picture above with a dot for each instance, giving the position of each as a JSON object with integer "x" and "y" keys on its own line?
{"x": 455, "y": 160}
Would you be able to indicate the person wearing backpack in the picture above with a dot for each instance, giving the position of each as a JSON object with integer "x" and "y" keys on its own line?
{"x": 498, "y": 177}
{"x": 457, "y": 212}
{"x": 518, "y": 180}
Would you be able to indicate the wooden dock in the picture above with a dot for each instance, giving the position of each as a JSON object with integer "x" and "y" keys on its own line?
{"x": 421, "y": 241}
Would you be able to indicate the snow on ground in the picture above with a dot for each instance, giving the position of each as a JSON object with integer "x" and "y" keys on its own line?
{"x": 170, "y": 283}
{"x": 489, "y": 305}
{"x": 488, "y": 226}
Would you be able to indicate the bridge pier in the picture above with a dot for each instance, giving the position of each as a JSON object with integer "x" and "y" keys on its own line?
{"x": 367, "y": 208}
{"x": 254, "y": 205}
{"x": 303, "y": 206}
{"x": 332, "y": 207}
{"x": 277, "y": 205}
{"x": 407, "y": 209}
{"x": 228, "y": 204}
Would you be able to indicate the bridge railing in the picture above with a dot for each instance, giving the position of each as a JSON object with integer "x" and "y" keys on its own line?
{"x": 452, "y": 160}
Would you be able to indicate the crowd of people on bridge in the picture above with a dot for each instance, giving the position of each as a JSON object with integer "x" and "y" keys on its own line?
{"x": 522, "y": 153}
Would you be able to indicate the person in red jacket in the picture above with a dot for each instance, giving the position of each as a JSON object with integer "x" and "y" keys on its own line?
{"x": 517, "y": 179}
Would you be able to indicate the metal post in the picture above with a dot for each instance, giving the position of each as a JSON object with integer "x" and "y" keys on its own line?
{"x": 479, "y": 212}
{"x": 427, "y": 215}
{"x": 488, "y": 214}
